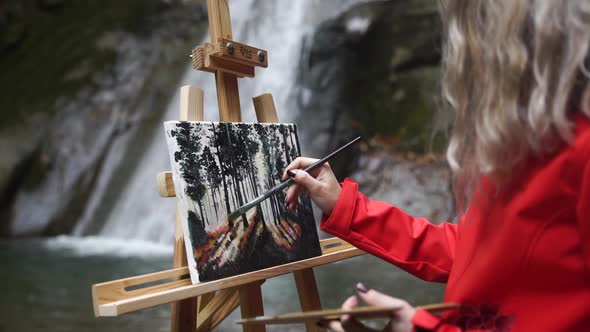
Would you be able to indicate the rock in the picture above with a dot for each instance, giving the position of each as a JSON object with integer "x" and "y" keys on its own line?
{"x": 20, "y": 152}
{"x": 53, "y": 162}
{"x": 420, "y": 188}
{"x": 13, "y": 26}
{"x": 50, "y": 4}
{"x": 373, "y": 71}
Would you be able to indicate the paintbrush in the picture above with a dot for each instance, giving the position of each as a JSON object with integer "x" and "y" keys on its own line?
{"x": 242, "y": 209}
{"x": 326, "y": 315}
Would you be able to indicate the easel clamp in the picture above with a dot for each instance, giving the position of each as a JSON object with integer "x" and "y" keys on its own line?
{"x": 229, "y": 56}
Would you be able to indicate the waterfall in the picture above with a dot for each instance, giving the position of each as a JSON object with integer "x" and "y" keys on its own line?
{"x": 135, "y": 211}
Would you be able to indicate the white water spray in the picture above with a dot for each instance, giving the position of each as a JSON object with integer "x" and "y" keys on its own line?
{"x": 277, "y": 26}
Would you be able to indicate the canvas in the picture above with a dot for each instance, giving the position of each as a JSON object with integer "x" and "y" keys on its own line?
{"x": 217, "y": 168}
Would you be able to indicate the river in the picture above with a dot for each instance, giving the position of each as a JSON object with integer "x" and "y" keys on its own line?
{"x": 127, "y": 229}
{"x": 46, "y": 284}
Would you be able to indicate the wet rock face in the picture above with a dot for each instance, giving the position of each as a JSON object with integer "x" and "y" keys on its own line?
{"x": 419, "y": 186}
{"x": 123, "y": 79}
{"x": 374, "y": 71}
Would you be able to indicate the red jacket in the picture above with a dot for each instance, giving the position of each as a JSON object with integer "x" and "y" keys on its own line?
{"x": 525, "y": 252}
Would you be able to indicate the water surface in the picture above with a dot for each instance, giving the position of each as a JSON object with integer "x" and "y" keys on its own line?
{"x": 46, "y": 284}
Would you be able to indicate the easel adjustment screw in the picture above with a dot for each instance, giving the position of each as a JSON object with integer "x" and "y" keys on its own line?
{"x": 230, "y": 48}
{"x": 261, "y": 56}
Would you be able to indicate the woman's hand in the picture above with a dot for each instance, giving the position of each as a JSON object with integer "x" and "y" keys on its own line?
{"x": 400, "y": 322}
{"x": 321, "y": 185}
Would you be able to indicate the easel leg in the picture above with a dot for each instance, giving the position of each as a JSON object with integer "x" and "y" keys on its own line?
{"x": 224, "y": 302}
{"x": 184, "y": 316}
{"x": 308, "y": 295}
{"x": 202, "y": 302}
{"x": 184, "y": 313}
{"x": 251, "y": 305}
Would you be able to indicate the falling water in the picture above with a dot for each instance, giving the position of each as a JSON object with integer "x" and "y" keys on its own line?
{"x": 126, "y": 217}
{"x": 138, "y": 212}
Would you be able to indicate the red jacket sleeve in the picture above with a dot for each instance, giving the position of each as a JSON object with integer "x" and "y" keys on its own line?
{"x": 413, "y": 244}
{"x": 424, "y": 320}
{"x": 583, "y": 208}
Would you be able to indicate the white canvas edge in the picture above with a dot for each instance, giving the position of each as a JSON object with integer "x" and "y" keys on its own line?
{"x": 182, "y": 207}
{"x": 194, "y": 274}
{"x": 192, "y": 264}
{"x": 246, "y": 123}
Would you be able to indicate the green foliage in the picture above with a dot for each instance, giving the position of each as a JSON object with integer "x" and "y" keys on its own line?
{"x": 402, "y": 108}
{"x": 391, "y": 84}
{"x": 58, "y": 52}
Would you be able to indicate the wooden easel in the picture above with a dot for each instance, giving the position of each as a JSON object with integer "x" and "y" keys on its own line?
{"x": 201, "y": 307}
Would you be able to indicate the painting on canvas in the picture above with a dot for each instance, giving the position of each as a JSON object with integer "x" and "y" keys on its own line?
{"x": 217, "y": 168}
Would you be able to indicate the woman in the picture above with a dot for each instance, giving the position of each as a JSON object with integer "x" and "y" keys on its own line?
{"x": 516, "y": 74}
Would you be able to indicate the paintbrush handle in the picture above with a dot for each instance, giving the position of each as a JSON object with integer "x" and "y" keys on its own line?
{"x": 309, "y": 168}
{"x": 328, "y": 157}
{"x": 242, "y": 209}
{"x": 287, "y": 182}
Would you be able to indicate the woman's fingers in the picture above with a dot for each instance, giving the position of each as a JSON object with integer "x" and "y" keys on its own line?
{"x": 308, "y": 182}
{"x": 373, "y": 297}
{"x": 298, "y": 163}
{"x": 324, "y": 190}
{"x": 321, "y": 185}
{"x": 350, "y": 325}
{"x": 303, "y": 183}
{"x": 292, "y": 194}
{"x": 338, "y": 326}
{"x": 401, "y": 318}
{"x": 402, "y": 314}
{"x": 347, "y": 323}
{"x": 350, "y": 303}
{"x": 353, "y": 325}
{"x": 335, "y": 326}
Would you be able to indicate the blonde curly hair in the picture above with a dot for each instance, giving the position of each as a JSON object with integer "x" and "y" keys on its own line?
{"x": 514, "y": 73}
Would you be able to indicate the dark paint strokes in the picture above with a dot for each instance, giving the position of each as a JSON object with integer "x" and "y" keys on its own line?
{"x": 223, "y": 166}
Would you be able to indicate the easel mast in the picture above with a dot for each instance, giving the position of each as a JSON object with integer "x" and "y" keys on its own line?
{"x": 228, "y": 96}
{"x": 203, "y": 306}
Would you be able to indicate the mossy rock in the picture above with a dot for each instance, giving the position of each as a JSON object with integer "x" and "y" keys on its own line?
{"x": 46, "y": 43}
{"x": 66, "y": 97}
{"x": 382, "y": 82}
